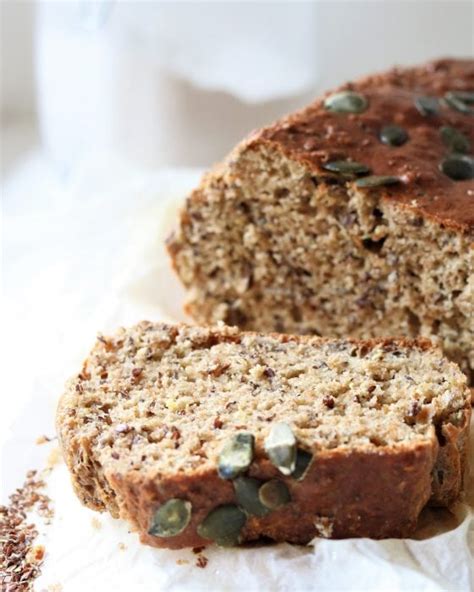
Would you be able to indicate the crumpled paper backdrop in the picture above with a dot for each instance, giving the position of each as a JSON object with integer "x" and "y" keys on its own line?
{"x": 118, "y": 232}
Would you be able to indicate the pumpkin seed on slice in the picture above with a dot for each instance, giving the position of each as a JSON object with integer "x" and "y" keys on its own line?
{"x": 280, "y": 445}
{"x": 246, "y": 492}
{"x": 346, "y": 166}
{"x": 427, "y": 105}
{"x": 303, "y": 460}
{"x": 455, "y": 102}
{"x": 274, "y": 494}
{"x": 454, "y": 140}
{"x": 346, "y": 101}
{"x": 223, "y": 525}
{"x": 236, "y": 455}
{"x": 458, "y": 167}
{"x": 171, "y": 518}
{"x": 393, "y": 135}
{"x": 377, "y": 181}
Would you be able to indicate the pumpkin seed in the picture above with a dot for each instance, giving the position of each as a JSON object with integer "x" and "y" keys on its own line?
{"x": 458, "y": 104}
{"x": 246, "y": 492}
{"x": 454, "y": 140}
{"x": 346, "y": 101}
{"x": 393, "y": 135}
{"x": 236, "y": 455}
{"x": 223, "y": 525}
{"x": 466, "y": 96}
{"x": 458, "y": 167}
{"x": 427, "y": 105}
{"x": 303, "y": 460}
{"x": 377, "y": 181}
{"x": 280, "y": 446}
{"x": 171, "y": 518}
{"x": 274, "y": 494}
{"x": 346, "y": 166}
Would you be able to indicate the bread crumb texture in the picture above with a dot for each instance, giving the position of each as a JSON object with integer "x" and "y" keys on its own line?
{"x": 286, "y": 235}
{"x": 153, "y": 406}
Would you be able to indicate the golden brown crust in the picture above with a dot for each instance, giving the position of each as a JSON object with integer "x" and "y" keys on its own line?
{"x": 451, "y": 461}
{"x": 376, "y": 493}
{"x": 315, "y": 135}
{"x": 343, "y": 495}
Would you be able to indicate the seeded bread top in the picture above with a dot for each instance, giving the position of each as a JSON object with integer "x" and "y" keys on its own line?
{"x": 433, "y": 105}
{"x": 166, "y": 398}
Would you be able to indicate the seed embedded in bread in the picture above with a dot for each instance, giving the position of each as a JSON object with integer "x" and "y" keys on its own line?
{"x": 396, "y": 432}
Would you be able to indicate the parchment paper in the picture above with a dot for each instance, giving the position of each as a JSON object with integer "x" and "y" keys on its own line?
{"x": 87, "y": 551}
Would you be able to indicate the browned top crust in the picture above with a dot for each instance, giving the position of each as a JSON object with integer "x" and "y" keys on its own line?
{"x": 315, "y": 135}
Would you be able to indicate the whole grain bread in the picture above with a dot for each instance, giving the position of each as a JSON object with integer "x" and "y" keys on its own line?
{"x": 283, "y": 237}
{"x": 198, "y": 434}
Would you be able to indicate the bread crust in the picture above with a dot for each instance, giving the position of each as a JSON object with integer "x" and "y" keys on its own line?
{"x": 375, "y": 493}
{"x": 314, "y": 136}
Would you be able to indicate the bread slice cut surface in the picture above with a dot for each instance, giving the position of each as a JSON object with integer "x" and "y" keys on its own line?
{"x": 183, "y": 430}
{"x": 352, "y": 217}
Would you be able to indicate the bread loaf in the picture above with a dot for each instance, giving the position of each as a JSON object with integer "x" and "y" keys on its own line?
{"x": 352, "y": 217}
{"x": 199, "y": 435}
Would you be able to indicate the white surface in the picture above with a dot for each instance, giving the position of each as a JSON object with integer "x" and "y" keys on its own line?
{"x": 167, "y": 83}
{"x": 65, "y": 246}
{"x": 17, "y": 92}
{"x": 86, "y": 256}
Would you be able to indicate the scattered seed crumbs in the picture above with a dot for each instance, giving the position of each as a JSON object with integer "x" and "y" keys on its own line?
{"x": 202, "y": 561}
{"x": 96, "y": 523}
{"x": 20, "y": 559}
{"x": 122, "y": 546}
{"x": 182, "y": 561}
{"x": 36, "y": 554}
{"x": 54, "y": 457}
{"x": 197, "y": 550}
{"x": 44, "y": 439}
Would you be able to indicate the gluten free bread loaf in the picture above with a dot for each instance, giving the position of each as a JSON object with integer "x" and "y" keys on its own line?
{"x": 354, "y": 216}
{"x": 198, "y": 435}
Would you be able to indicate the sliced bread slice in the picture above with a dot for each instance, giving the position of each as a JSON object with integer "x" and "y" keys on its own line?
{"x": 211, "y": 434}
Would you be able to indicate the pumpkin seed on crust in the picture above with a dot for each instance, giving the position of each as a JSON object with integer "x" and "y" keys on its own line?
{"x": 223, "y": 525}
{"x": 246, "y": 493}
{"x": 274, "y": 494}
{"x": 236, "y": 455}
{"x": 346, "y": 101}
{"x": 456, "y": 101}
{"x": 377, "y": 181}
{"x": 427, "y": 106}
{"x": 280, "y": 445}
{"x": 454, "y": 140}
{"x": 393, "y": 135}
{"x": 303, "y": 460}
{"x": 467, "y": 96}
{"x": 171, "y": 518}
{"x": 458, "y": 167}
{"x": 346, "y": 167}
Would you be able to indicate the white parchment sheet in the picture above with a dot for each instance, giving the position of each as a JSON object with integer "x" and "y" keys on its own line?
{"x": 86, "y": 551}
